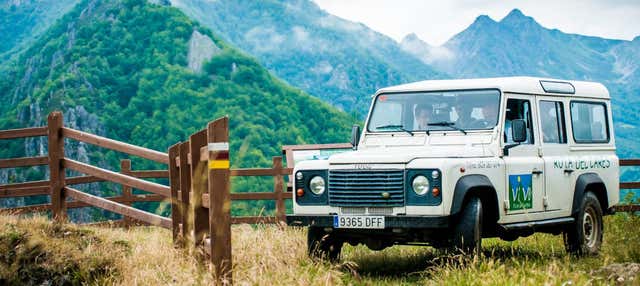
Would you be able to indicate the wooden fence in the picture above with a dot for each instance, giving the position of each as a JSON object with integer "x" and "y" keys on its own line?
{"x": 629, "y": 186}
{"x": 58, "y": 187}
{"x": 199, "y": 185}
{"x": 198, "y": 219}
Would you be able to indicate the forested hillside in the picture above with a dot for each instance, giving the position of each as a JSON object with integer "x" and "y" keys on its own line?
{"x": 22, "y": 21}
{"x": 148, "y": 75}
{"x": 339, "y": 61}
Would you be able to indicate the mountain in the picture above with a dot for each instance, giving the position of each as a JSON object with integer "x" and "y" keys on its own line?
{"x": 334, "y": 59}
{"x": 148, "y": 75}
{"x": 22, "y": 21}
{"x": 626, "y": 64}
{"x": 518, "y": 45}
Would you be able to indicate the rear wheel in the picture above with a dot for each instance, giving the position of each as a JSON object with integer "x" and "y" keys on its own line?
{"x": 467, "y": 236}
{"x": 323, "y": 245}
{"x": 584, "y": 237}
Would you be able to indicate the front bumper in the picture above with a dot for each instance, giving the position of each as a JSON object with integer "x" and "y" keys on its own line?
{"x": 418, "y": 222}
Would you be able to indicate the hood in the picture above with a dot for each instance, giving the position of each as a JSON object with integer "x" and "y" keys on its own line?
{"x": 405, "y": 155}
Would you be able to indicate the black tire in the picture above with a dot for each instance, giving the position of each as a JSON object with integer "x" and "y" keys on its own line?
{"x": 467, "y": 234}
{"x": 321, "y": 245}
{"x": 584, "y": 237}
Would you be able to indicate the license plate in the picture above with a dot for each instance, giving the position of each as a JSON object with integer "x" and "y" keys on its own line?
{"x": 353, "y": 221}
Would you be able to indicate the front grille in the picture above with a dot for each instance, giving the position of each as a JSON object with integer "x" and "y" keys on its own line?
{"x": 380, "y": 211}
{"x": 364, "y": 211}
{"x": 366, "y": 188}
{"x": 353, "y": 211}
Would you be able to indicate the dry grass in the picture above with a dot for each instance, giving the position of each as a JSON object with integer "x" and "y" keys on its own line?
{"x": 268, "y": 255}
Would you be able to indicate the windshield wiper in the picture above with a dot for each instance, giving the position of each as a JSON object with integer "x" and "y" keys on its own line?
{"x": 399, "y": 127}
{"x": 449, "y": 124}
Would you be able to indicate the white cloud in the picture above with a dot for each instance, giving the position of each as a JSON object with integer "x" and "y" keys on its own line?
{"x": 264, "y": 39}
{"x": 300, "y": 34}
{"x": 323, "y": 67}
{"x": 437, "y": 21}
{"x": 333, "y": 22}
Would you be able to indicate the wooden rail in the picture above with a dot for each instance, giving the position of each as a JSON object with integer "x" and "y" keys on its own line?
{"x": 23, "y": 133}
{"x": 630, "y": 162}
{"x": 118, "y": 208}
{"x": 115, "y": 145}
{"x": 117, "y": 178}
{"x": 77, "y": 204}
{"x": 24, "y": 162}
{"x": 24, "y": 192}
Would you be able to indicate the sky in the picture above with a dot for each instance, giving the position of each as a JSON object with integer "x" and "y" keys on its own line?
{"x": 437, "y": 21}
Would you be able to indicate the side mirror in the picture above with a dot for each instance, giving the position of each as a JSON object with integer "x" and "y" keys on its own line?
{"x": 519, "y": 130}
{"x": 518, "y": 134}
{"x": 355, "y": 136}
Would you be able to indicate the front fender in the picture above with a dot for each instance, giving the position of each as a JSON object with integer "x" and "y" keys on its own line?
{"x": 469, "y": 183}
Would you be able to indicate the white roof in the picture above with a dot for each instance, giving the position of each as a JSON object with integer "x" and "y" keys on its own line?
{"x": 519, "y": 84}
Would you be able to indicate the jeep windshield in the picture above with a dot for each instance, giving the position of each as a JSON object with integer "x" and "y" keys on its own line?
{"x": 435, "y": 111}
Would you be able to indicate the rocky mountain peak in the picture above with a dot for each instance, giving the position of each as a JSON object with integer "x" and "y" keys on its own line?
{"x": 483, "y": 20}
{"x": 411, "y": 37}
{"x": 517, "y": 18}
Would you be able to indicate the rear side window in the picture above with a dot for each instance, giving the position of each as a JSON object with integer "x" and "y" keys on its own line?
{"x": 589, "y": 122}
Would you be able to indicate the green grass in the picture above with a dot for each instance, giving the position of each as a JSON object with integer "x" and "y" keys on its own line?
{"x": 267, "y": 255}
{"x": 535, "y": 260}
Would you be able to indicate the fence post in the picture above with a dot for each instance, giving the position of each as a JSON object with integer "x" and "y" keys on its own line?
{"x": 56, "y": 170}
{"x": 199, "y": 215}
{"x": 185, "y": 191}
{"x": 127, "y": 198}
{"x": 174, "y": 183}
{"x": 278, "y": 184}
{"x": 220, "y": 199}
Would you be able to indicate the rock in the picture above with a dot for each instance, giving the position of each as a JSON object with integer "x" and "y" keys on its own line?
{"x": 619, "y": 272}
{"x": 201, "y": 49}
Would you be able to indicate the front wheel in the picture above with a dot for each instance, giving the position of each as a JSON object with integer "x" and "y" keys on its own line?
{"x": 468, "y": 231}
{"x": 321, "y": 245}
{"x": 585, "y": 236}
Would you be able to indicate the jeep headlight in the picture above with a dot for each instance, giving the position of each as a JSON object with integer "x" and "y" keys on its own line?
{"x": 317, "y": 185}
{"x": 420, "y": 185}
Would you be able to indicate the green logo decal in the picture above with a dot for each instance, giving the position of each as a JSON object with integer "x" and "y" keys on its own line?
{"x": 520, "y": 192}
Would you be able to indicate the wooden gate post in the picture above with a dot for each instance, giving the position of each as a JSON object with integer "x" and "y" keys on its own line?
{"x": 185, "y": 191}
{"x": 199, "y": 215}
{"x": 278, "y": 185}
{"x": 174, "y": 183}
{"x": 220, "y": 199}
{"x": 56, "y": 170}
{"x": 125, "y": 169}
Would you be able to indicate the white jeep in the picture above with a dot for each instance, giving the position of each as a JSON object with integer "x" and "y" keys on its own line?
{"x": 449, "y": 162}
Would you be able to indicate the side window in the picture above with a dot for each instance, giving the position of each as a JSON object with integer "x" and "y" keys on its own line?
{"x": 552, "y": 120}
{"x": 589, "y": 122}
{"x": 518, "y": 109}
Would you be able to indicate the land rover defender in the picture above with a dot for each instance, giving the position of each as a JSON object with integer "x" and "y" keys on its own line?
{"x": 448, "y": 162}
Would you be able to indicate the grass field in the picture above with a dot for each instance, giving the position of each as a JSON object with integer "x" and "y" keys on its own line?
{"x": 33, "y": 251}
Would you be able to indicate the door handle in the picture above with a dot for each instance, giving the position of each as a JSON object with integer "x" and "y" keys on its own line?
{"x": 536, "y": 172}
{"x": 568, "y": 171}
